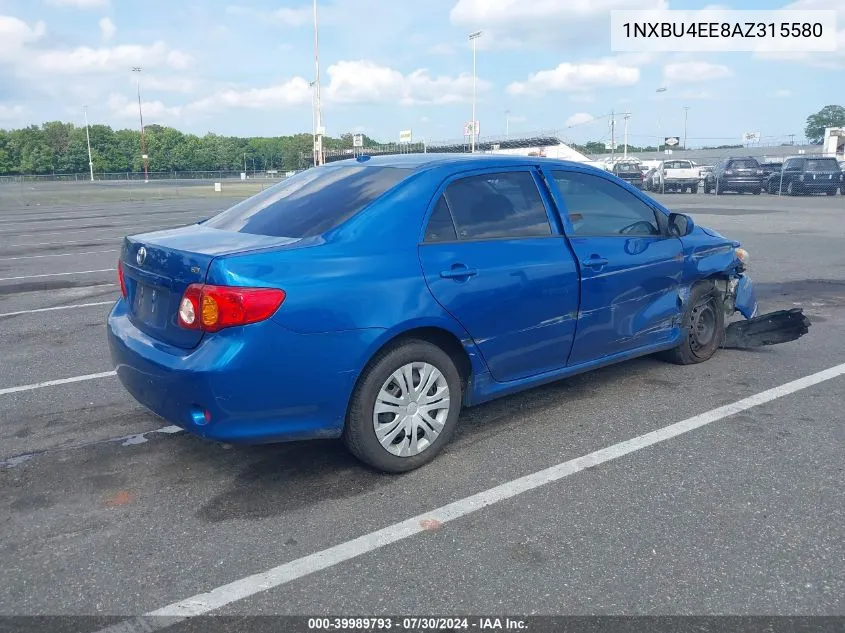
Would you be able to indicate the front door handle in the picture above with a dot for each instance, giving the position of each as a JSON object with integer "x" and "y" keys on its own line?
{"x": 458, "y": 271}
{"x": 594, "y": 262}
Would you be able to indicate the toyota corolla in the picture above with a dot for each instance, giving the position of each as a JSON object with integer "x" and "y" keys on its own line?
{"x": 371, "y": 299}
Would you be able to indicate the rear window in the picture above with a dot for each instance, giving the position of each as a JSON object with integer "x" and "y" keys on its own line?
{"x": 822, "y": 164}
{"x": 309, "y": 203}
{"x": 627, "y": 167}
{"x": 744, "y": 164}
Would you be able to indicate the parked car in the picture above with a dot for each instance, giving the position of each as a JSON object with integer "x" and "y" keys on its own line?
{"x": 677, "y": 176}
{"x": 806, "y": 175}
{"x": 651, "y": 179}
{"x": 372, "y": 298}
{"x": 735, "y": 174}
{"x": 629, "y": 172}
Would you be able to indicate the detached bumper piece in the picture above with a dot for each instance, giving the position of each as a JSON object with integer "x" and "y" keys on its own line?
{"x": 768, "y": 329}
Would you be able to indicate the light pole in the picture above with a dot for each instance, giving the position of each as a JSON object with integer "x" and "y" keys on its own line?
{"x": 312, "y": 84}
{"x": 686, "y": 112}
{"x": 472, "y": 38}
{"x": 507, "y": 122}
{"x": 88, "y": 139}
{"x": 318, "y": 141}
{"x": 627, "y": 117}
{"x": 137, "y": 69}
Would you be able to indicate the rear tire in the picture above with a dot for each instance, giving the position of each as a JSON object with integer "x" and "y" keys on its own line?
{"x": 703, "y": 327}
{"x": 385, "y": 382}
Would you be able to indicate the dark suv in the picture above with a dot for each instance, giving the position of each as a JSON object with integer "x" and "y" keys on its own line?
{"x": 630, "y": 172}
{"x": 735, "y": 174}
{"x": 805, "y": 175}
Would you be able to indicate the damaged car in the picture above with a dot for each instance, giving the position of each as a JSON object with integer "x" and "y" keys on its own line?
{"x": 372, "y": 299}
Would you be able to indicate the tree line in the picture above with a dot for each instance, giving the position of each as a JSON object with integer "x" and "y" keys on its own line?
{"x": 61, "y": 148}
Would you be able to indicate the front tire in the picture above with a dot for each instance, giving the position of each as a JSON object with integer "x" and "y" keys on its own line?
{"x": 405, "y": 407}
{"x": 703, "y": 327}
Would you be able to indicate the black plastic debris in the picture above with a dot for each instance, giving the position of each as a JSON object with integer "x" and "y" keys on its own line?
{"x": 768, "y": 329}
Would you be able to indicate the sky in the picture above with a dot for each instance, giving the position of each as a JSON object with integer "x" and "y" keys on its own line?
{"x": 243, "y": 67}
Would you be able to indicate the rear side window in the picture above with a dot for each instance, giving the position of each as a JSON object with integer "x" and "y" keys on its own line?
{"x": 498, "y": 205}
{"x": 822, "y": 164}
{"x": 309, "y": 203}
{"x": 744, "y": 164}
{"x": 440, "y": 226}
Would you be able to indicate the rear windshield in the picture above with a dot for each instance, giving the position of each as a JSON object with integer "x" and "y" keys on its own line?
{"x": 309, "y": 203}
{"x": 744, "y": 164}
{"x": 822, "y": 164}
{"x": 627, "y": 167}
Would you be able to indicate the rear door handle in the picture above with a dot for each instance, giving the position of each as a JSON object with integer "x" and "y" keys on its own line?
{"x": 594, "y": 262}
{"x": 458, "y": 272}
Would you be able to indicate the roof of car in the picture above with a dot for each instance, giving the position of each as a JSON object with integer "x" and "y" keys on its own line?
{"x": 423, "y": 161}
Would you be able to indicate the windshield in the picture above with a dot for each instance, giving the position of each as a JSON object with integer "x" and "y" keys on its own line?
{"x": 309, "y": 203}
{"x": 744, "y": 164}
{"x": 822, "y": 164}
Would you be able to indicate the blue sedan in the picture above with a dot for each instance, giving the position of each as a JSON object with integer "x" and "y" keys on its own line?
{"x": 371, "y": 299}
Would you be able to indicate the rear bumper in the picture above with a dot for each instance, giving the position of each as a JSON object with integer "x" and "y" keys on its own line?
{"x": 258, "y": 384}
{"x": 813, "y": 186}
{"x": 741, "y": 183}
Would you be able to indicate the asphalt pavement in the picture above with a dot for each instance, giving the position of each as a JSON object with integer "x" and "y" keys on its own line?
{"x": 106, "y": 510}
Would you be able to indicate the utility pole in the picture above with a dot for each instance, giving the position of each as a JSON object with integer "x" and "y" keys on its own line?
{"x": 507, "y": 122}
{"x": 318, "y": 142}
{"x": 686, "y": 112}
{"x": 612, "y": 135}
{"x": 791, "y": 139}
{"x": 472, "y": 38}
{"x": 627, "y": 117}
{"x": 137, "y": 69}
{"x": 88, "y": 139}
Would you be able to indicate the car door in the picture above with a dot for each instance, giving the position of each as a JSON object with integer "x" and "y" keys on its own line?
{"x": 630, "y": 266}
{"x": 496, "y": 261}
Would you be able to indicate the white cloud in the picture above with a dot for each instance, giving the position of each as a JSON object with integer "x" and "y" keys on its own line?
{"x": 123, "y": 108}
{"x": 569, "y": 77}
{"x": 520, "y": 23}
{"x": 695, "y": 72}
{"x": 174, "y": 83}
{"x": 90, "y": 60}
{"x": 289, "y": 17}
{"x": 15, "y": 34}
{"x": 366, "y": 82}
{"x": 696, "y": 95}
{"x": 79, "y": 4}
{"x": 293, "y": 93}
{"x": 107, "y": 29}
{"x": 443, "y": 48}
{"x": 579, "y": 118}
{"x": 783, "y": 93}
{"x": 10, "y": 113}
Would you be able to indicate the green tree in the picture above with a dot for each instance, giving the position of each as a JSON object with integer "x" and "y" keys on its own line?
{"x": 828, "y": 116}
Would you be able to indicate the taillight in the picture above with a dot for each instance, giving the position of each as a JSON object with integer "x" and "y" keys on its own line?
{"x": 120, "y": 278}
{"x": 212, "y": 308}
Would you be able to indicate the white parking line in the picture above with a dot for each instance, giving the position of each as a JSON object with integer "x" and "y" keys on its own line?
{"x": 71, "y": 307}
{"x": 53, "y": 383}
{"x": 8, "y": 259}
{"x": 324, "y": 559}
{"x": 78, "y": 272}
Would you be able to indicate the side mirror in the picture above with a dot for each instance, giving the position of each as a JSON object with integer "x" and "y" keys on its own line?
{"x": 680, "y": 225}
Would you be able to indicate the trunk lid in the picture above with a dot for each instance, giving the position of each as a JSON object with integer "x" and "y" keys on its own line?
{"x": 159, "y": 266}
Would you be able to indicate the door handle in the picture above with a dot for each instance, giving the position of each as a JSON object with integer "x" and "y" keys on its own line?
{"x": 594, "y": 262}
{"x": 458, "y": 272}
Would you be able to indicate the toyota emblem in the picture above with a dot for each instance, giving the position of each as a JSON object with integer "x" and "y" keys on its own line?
{"x": 141, "y": 256}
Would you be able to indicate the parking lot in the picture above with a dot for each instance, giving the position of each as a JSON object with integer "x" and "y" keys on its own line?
{"x": 107, "y": 510}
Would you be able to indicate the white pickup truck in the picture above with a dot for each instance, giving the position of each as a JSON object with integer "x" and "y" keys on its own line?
{"x": 677, "y": 175}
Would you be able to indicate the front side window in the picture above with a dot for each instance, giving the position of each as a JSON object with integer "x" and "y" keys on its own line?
{"x": 309, "y": 203}
{"x": 599, "y": 207}
{"x": 499, "y": 205}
